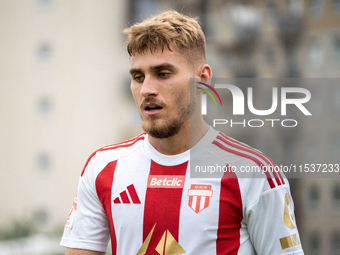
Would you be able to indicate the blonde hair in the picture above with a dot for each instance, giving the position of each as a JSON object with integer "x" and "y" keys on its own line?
{"x": 166, "y": 30}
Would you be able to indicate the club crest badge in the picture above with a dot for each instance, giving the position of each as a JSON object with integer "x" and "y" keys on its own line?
{"x": 199, "y": 197}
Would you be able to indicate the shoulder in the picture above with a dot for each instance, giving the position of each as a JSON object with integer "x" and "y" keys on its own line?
{"x": 115, "y": 151}
{"x": 249, "y": 162}
{"x": 223, "y": 145}
{"x": 228, "y": 145}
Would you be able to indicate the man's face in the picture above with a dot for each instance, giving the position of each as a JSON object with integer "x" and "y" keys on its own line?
{"x": 160, "y": 85}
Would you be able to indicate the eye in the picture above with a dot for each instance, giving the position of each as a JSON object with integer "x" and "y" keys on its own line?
{"x": 163, "y": 74}
{"x": 138, "y": 78}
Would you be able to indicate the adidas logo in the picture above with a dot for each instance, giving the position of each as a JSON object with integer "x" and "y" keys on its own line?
{"x": 128, "y": 196}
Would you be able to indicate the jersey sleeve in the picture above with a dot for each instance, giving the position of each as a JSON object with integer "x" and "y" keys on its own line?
{"x": 271, "y": 221}
{"x": 87, "y": 226}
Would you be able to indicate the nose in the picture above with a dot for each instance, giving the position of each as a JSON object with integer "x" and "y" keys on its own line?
{"x": 149, "y": 87}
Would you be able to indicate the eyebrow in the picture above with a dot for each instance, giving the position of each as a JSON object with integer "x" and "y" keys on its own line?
{"x": 154, "y": 68}
{"x": 162, "y": 66}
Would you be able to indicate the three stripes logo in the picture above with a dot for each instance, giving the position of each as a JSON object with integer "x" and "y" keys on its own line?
{"x": 209, "y": 93}
{"x": 128, "y": 196}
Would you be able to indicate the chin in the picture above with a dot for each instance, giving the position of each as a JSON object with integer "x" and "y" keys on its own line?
{"x": 166, "y": 129}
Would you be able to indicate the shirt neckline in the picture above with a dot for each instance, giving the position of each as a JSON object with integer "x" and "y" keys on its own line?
{"x": 170, "y": 160}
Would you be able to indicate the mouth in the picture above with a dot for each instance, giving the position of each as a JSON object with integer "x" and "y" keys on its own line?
{"x": 152, "y": 109}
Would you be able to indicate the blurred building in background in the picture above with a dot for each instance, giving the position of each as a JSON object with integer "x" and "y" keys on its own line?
{"x": 65, "y": 92}
{"x": 64, "y": 80}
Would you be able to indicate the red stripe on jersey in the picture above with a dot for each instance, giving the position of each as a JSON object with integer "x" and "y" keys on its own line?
{"x": 269, "y": 178}
{"x": 283, "y": 182}
{"x": 198, "y": 200}
{"x": 279, "y": 178}
{"x": 277, "y": 175}
{"x": 104, "y": 189}
{"x": 115, "y": 146}
{"x": 162, "y": 206}
{"x": 251, "y": 150}
{"x": 190, "y": 200}
{"x": 133, "y": 194}
{"x": 230, "y": 216}
{"x": 206, "y": 203}
{"x": 257, "y": 153}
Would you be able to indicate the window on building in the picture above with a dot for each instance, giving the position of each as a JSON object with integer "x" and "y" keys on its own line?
{"x": 335, "y": 146}
{"x": 313, "y": 148}
{"x": 44, "y": 51}
{"x": 336, "y": 196}
{"x": 44, "y": 1}
{"x": 229, "y": 59}
{"x": 336, "y": 4}
{"x": 270, "y": 56}
{"x": 295, "y": 7}
{"x": 335, "y": 99}
{"x": 315, "y": 7}
{"x": 315, "y": 52}
{"x": 314, "y": 244}
{"x": 142, "y": 9}
{"x": 272, "y": 9}
{"x": 43, "y": 161}
{"x": 44, "y": 106}
{"x": 41, "y": 217}
{"x": 313, "y": 198}
{"x": 336, "y": 48}
{"x": 335, "y": 243}
{"x": 293, "y": 63}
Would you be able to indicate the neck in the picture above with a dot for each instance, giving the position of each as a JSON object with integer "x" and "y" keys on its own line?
{"x": 183, "y": 140}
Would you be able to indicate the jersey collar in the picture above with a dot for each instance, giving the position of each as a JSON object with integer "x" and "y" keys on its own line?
{"x": 179, "y": 158}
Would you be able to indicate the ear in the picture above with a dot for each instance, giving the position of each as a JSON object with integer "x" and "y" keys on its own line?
{"x": 206, "y": 74}
{"x": 204, "y": 77}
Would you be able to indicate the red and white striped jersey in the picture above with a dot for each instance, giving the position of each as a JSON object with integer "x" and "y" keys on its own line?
{"x": 147, "y": 203}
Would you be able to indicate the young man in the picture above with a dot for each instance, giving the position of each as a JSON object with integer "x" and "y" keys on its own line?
{"x": 139, "y": 192}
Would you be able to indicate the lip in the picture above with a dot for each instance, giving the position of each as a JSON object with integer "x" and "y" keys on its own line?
{"x": 152, "y": 112}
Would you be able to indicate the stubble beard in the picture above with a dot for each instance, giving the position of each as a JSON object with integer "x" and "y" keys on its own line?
{"x": 170, "y": 127}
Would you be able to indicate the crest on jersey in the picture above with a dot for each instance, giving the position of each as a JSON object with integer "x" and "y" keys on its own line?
{"x": 199, "y": 197}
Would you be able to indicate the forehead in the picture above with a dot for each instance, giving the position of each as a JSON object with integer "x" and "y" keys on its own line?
{"x": 158, "y": 57}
